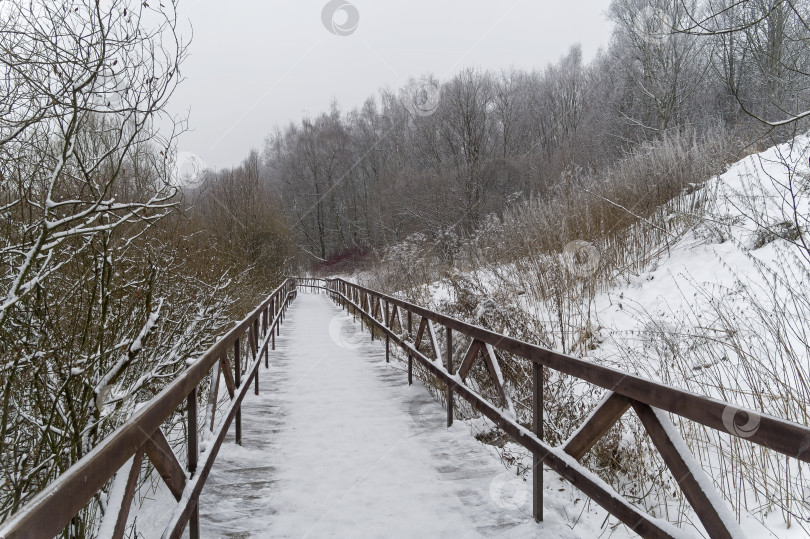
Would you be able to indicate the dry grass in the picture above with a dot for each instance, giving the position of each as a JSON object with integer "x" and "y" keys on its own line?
{"x": 512, "y": 271}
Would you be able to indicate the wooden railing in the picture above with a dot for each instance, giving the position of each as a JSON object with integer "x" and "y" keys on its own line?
{"x": 238, "y": 356}
{"x": 396, "y": 320}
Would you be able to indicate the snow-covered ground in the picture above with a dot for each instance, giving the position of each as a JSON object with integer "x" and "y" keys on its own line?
{"x": 723, "y": 311}
{"x": 338, "y": 444}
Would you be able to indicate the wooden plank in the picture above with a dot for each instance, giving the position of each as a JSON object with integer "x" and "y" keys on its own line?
{"x": 449, "y": 387}
{"x": 420, "y": 332}
{"x": 213, "y": 394}
{"x": 165, "y": 462}
{"x": 605, "y": 415}
{"x": 394, "y": 316}
{"x": 469, "y": 358}
{"x": 225, "y": 365}
{"x": 237, "y": 362}
{"x": 394, "y": 310}
{"x": 193, "y": 454}
{"x": 490, "y": 359}
{"x": 193, "y": 447}
{"x": 237, "y": 380}
{"x": 254, "y": 338}
{"x": 714, "y": 519}
{"x": 537, "y": 429}
{"x": 434, "y": 342}
{"x": 375, "y": 312}
{"x": 129, "y": 495}
{"x": 787, "y": 437}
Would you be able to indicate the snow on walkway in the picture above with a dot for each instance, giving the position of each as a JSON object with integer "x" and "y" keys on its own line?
{"x": 338, "y": 444}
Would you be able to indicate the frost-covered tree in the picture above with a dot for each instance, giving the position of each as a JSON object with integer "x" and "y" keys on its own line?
{"x": 762, "y": 49}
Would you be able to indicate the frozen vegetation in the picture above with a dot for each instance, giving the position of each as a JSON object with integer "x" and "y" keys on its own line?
{"x": 718, "y": 306}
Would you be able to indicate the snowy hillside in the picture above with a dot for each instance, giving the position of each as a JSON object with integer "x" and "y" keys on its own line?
{"x": 722, "y": 310}
{"x": 727, "y": 314}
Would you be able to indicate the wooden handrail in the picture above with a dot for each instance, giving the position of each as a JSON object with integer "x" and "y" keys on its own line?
{"x": 53, "y": 508}
{"x": 649, "y": 399}
{"x": 786, "y": 437}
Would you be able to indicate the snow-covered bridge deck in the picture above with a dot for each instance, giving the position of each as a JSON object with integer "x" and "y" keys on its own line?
{"x": 338, "y": 444}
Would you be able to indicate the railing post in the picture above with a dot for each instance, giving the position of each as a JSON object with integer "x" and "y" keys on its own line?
{"x": 276, "y": 307}
{"x": 193, "y": 450}
{"x": 237, "y": 379}
{"x": 410, "y": 357}
{"x": 449, "y": 370}
{"x": 257, "y": 354}
{"x": 537, "y": 428}
{"x": 264, "y": 332}
{"x": 255, "y": 336}
{"x": 387, "y": 339}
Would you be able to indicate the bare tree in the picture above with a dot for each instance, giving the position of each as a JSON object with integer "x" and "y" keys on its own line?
{"x": 466, "y": 133}
{"x": 665, "y": 67}
{"x": 82, "y": 85}
{"x": 83, "y": 176}
{"x": 762, "y": 45}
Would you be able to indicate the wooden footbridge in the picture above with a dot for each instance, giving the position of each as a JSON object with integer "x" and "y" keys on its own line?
{"x": 433, "y": 344}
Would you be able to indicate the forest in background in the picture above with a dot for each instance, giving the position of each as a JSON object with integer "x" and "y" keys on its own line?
{"x": 440, "y": 157}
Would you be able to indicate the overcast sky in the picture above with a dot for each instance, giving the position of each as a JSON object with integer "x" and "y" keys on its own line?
{"x": 256, "y": 64}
